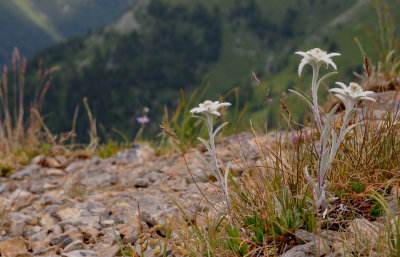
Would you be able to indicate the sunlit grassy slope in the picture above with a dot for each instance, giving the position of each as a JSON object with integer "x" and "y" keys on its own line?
{"x": 32, "y": 24}
{"x": 39, "y": 20}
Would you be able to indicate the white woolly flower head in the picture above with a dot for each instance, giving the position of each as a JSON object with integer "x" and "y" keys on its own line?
{"x": 316, "y": 57}
{"x": 209, "y": 107}
{"x": 351, "y": 94}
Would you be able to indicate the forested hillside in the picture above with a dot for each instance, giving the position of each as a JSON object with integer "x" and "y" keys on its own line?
{"x": 159, "y": 47}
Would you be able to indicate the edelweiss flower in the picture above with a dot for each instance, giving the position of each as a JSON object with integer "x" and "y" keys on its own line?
{"x": 352, "y": 94}
{"x": 209, "y": 107}
{"x": 316, "y": 57}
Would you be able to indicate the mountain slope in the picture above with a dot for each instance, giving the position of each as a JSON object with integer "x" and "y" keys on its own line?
{"x": 33, "y": 24}
{"x": 161, "y": 46}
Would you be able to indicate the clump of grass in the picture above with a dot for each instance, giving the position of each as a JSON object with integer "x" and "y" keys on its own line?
{"x": 384, "y": 73}
{"x": 94, "y": 139}
{"x": 270, "y": 202}
{"x": 267, "y": 208}
{"x": 373, "y": 149}
{"x": 21, "y": 126}
{"x": 6, "y": 170}
{"x": 110, "y": 148}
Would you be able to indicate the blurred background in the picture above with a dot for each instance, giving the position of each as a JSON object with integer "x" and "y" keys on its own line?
{"x": 124, "y": 55}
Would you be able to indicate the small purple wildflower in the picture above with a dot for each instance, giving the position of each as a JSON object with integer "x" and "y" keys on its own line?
{"x": 296, "y": 140}
{"x": 143, "y": 120}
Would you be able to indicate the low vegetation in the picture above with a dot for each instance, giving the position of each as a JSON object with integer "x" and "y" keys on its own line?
{"x": 353, "y": 157}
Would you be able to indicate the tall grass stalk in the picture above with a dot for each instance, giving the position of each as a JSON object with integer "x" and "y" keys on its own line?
{"x": 20, "y": 125}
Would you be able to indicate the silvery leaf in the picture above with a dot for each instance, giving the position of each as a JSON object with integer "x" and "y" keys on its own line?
{"x": 226, "y": 178}
{"x": 205, "y": 144}
{"x": 348, "y": 129}
{"x": 304, "y": 98}
{"x": 351, "y": 113}
{"x": 332, "y": 112}
{"x": 219, "y": 128}
{"x": 328, "y": 119}
{"x": 203, "y": 119}
{"x": 325, "y": 77}
{"x": 205, "y": 162}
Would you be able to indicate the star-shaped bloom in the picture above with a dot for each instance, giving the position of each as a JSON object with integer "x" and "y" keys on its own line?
{"x": 352, "y": 94}
{"x": 209, "y": 107}
{"x": 143, "y": 120}
{"x": 316, "y": 57}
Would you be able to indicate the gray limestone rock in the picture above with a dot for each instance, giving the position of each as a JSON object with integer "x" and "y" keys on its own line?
{"x": 109, "y": 236}
{"x": 17, "y": 223}
{"x": 130, "y": 234}
{"x": 47, "y": 199}
{"x": 89, "y": 234}
{"x": 148, "y": 205}
{"x": 303, "y": 236}
{"x": 136, "y": 154}
{"x": 39, "y": 236}
{"x": 76, "y": 166}
{"x": 80, "y": 253}
{"x": 91, "y": 221}
{"x": 76, "y": 245}
{"x": 142, "y": 182}
{"x": 27, "y": 171}
{"x": 109, "y": 251}
{"x": 3, "y": 187}
{"x": 62, "y": 240}
{"x": 317, "y": 247}
{"x": 17, "y": 227}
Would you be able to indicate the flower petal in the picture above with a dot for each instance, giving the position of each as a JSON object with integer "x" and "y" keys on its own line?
{"x": 196, "y": 110}
{"x": 223, "y": 104}
{"x": 301, "y": 65}
{"x": 341, "y": 84}
{"x": 342, "y": 98}
{"x": 332, "y": 55}
{"x": 368, "y": 92}
{"x": 304, "y": 54}
{"x": 329, "y": 62}
{"x": 368, "y": 98}
{"x": 337, "y": 91}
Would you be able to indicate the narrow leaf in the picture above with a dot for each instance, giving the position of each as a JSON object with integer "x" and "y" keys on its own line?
{"x": 205, "y": 162}
{"x": 303, "y": 97}
{"x": 205, "y": 144}
{"x": 203, "y": 119}
{"x": 226, "y": 178}
{"x": 350, "y": 128}
{"x": 219, "y": 128}
{"x": 329, "y": 117}
{"x": 325, "y": 77}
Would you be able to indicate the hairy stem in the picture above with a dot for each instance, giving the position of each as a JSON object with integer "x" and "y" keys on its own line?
{"x": 210, "y": 121}
{"x": 342, "y": 134}
{"x": 314, "y": 93}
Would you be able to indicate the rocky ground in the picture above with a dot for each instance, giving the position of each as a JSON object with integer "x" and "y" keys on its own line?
{"x": 58, "y": 206}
